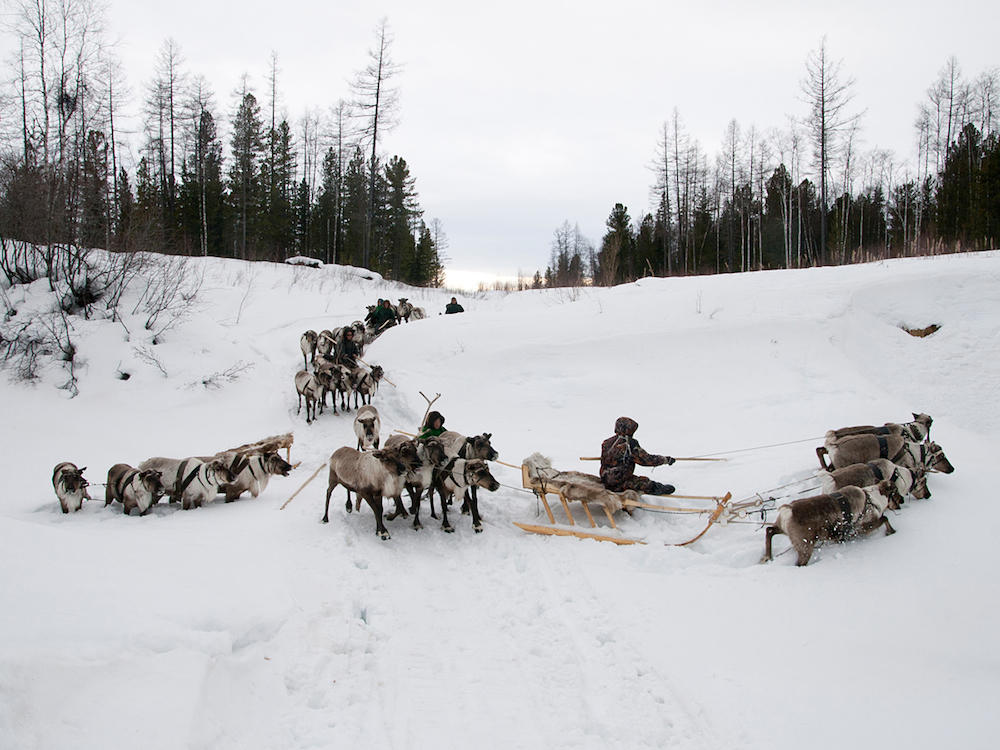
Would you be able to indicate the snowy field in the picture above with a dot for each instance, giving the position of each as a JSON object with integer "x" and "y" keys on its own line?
{"x": 244, "y": 626}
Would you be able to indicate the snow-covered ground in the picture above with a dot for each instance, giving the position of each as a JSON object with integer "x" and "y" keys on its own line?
{"x": 245, "y": 626}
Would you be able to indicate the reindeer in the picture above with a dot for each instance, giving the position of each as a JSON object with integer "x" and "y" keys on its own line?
{"x": 859, "y": 449}
{"x": 70, "y": 486}
{"x": 431, "y": 457}
{"x": 308, "y": 346}
{"x": 366, "y": 427}
{"x": 198, "y": 482}
{"x": 917, "y": 431}
{"x": 404, "y": 310}
{"x": 250, "y": 471}
{"x": 325, "y": 343}
{"x": 906, "y": 481}
{"x": 456, "y": 444}
{"x": 133, "y": 488}
{"x": 365, "y": 383}
{"x": 313, "y": 387}
{"x": 460, "y": 474}
{"x": 177, "y": 475}
{"x": 372, "y": 475}
{"x": 836, "y": 517}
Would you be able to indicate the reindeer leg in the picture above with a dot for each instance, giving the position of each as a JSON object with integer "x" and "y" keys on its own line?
{"x": 376, "y": 504}
{"x": 771, "y": 531}
{"x": 473, "y": 502}
{"x": 348, "y": 506}
{"x": 415, "y": 506}
{"x": 444, "y": 517}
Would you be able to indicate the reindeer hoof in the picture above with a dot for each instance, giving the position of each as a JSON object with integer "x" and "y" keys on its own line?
{"x": 417, "y": 525}
{"x": 478, "y": 528}
{"x": 384, "y": 535}
{"x": 448, "y": 529}
{"x": 326, "y": 520}
{"x": 348, "y": 506}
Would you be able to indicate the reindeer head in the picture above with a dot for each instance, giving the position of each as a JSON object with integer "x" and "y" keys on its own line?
{"x": 477, "y": 474}
{"x": 481, "y": 447}
{"x": 223, "y": 474}
{"x": 377, "y": 373}
{"x": 887, "y": 489}
{"x": 434, "y": 452}
{"x": 275, "y": 464}
{"x": 937, "y": 460}
{"x": 393, "y": 460}
{"x": 152, "y": 482}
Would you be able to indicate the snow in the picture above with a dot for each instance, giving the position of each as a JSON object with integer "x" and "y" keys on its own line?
{"x": 244, "y": 626}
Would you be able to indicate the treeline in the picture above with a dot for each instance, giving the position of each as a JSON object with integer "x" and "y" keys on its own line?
{"x": 806, "y": 196}
{"x": 272, "y": 190}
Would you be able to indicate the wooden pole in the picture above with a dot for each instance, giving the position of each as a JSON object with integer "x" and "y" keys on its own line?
{"x": 598, "y": 458}
{"x": 302, "y": 487}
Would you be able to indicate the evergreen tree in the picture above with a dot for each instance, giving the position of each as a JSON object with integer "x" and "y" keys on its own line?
{"x": 355, "y": 221}
{"x": 277, "y": 230}
{"x": 402, "y": 214}
{"x": 202, "y": 202}
{"x": 615, "y": 260}
{"x": 244, "y": 176}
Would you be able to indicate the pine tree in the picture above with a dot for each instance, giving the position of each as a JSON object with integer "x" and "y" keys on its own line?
{"x": 244, "y": 176}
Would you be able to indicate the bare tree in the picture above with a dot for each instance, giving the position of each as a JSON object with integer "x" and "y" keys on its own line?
{"x": 827, "y": 96}
{"x": 376, "y": 103}
{"x": 660, "y": 192}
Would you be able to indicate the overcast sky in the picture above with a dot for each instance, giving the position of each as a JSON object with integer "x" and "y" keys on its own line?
{"x": 523, "y": 115}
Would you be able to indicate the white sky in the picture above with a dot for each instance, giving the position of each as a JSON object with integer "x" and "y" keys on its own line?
{"x": 520, "y": 116}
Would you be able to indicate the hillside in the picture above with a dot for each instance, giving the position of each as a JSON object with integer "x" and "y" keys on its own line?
{"x": 245, "y": 626}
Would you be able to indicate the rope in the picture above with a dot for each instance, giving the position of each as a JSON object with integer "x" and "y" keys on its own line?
{"x": 762, "y": 447}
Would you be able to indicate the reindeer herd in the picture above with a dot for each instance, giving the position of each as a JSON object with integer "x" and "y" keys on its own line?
{"x": 446, "y": 464}
{"x": 871, "y": 470}
{"x": 191, "y": 482}
{"x": 333, "y": 373}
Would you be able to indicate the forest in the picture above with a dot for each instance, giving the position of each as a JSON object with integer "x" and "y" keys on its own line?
{"x": 318, "y": 187}
{"x": 270, "y": 189}
{"x": 806, "y": 195}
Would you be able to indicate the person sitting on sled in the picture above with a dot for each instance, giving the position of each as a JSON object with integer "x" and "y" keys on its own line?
{"x": 620, "y": 454}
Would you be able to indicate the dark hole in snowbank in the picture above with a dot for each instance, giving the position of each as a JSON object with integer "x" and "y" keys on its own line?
{"x": 921, "y": 332}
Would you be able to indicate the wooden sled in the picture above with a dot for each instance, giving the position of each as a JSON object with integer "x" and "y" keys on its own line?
{"x": 543, "y": 488}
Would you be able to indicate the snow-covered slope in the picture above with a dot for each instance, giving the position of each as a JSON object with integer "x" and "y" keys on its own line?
{"x": 245, "y": 626}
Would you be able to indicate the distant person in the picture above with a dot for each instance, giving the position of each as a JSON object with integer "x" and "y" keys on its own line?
{"x": 383, "y": 316}
{"x": 433, "y": 426}
{"x": 619, "y": 455}
{"x": 453, "y": 307}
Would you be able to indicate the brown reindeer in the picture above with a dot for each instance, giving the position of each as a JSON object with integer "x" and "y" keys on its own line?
{"x": 907, "y": 481}
{"x": 917, "y": 430}
{"x": 373, "y": 476}
{"x": 837, "y": 517}
{"x": 133, "y": 488}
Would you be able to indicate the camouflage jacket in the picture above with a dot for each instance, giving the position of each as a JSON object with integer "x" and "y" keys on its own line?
{"x": 620, "y": 454}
